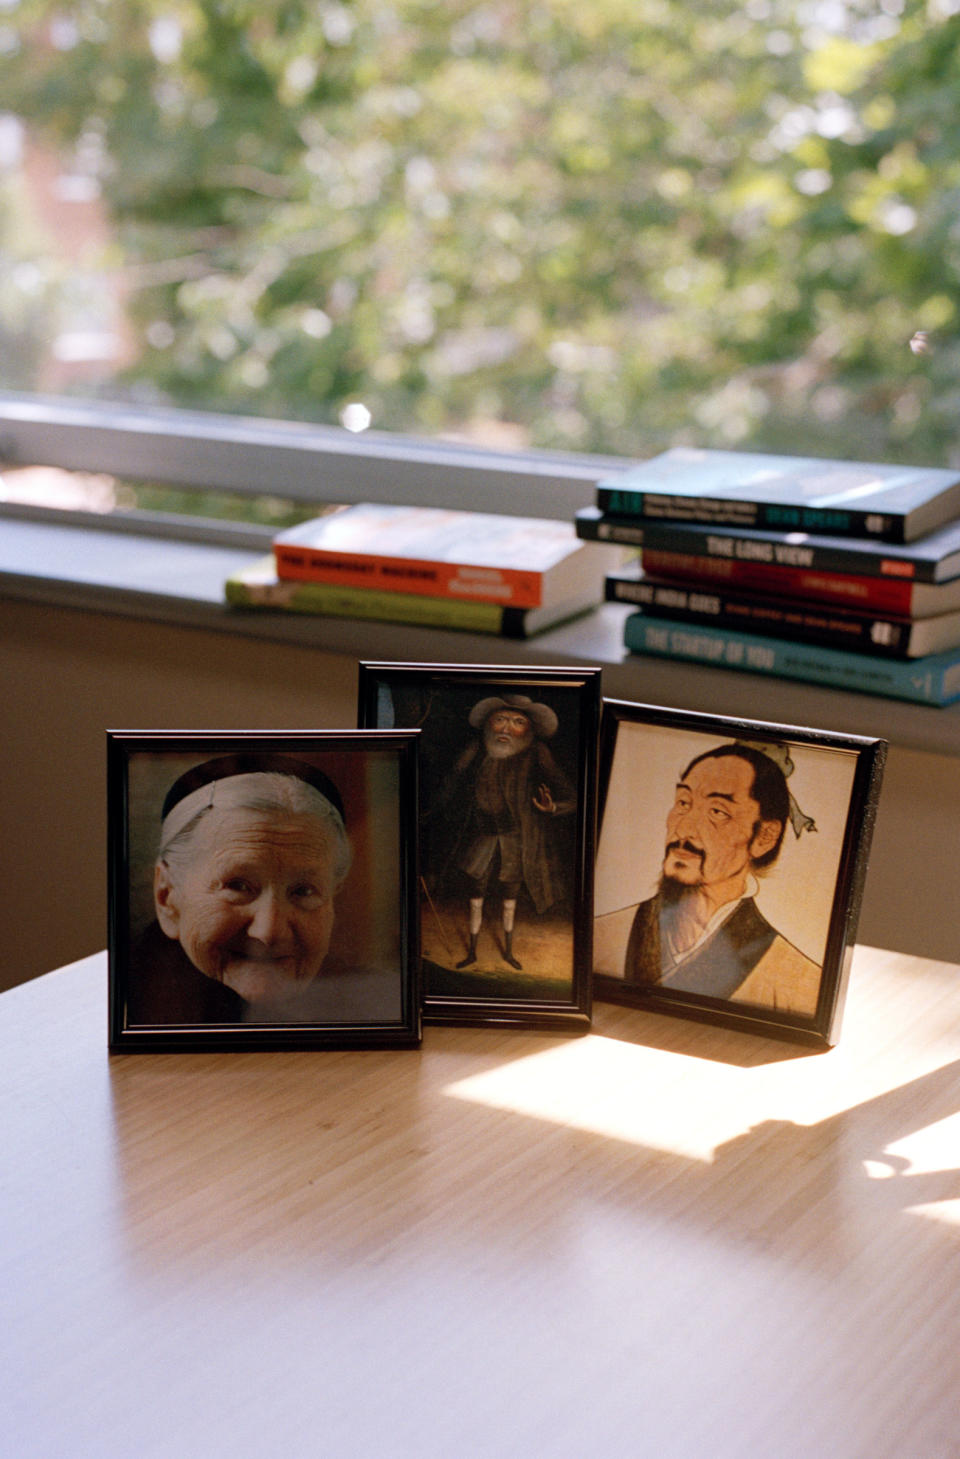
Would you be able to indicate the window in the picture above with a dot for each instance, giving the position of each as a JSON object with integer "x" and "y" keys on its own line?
{"x": 530, "y": 224}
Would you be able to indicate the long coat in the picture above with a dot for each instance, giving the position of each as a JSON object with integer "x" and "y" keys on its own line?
{"x": 484, "y": 798}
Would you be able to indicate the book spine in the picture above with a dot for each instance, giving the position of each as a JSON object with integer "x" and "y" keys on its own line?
{"x": 712, "y": 511}
{"x": 508, "y": 587}
{"x": 771, "y": 549}
{"x": 880, "y": 595}
{"x": 925, "y": 681}
{"x": 794, "y": 621}
{"x": 333, "y": 600}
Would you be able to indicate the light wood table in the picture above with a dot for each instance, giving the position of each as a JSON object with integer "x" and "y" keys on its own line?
{"x": 664, "y": 1239}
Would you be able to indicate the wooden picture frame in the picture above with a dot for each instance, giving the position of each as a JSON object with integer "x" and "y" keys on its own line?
{"x": 731, "y": 858}
{"x": 262, "y": 890}
{"x": 506, "y": 888}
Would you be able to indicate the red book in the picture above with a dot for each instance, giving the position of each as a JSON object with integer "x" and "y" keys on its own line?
{"x": 899, "y": 596}
{"x": 520, "y": 562}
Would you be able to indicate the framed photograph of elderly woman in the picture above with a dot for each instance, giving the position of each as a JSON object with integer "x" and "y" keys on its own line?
{"x": 263, "y": 890}
{"x": 730, "y": 867}
{"x": 507, "y": 835}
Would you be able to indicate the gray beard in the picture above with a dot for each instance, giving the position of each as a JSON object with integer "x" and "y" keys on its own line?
{"x": 497, "y": 751}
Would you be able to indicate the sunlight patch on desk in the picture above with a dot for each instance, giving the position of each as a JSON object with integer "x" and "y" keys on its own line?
{"x": 924, "y": 1164}
{"x": 702, "y": 1110}
{"x": 607, "y": 1087}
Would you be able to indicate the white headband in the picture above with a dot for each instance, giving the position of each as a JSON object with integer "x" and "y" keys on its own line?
{"x": 230, "y": 794}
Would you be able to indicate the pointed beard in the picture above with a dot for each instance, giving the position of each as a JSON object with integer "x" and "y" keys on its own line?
{"x": 672, "y": 892}
{"x": 671, "y": 889}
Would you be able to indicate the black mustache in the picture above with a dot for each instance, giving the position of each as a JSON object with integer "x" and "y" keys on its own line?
{"x": 687, "y": 846}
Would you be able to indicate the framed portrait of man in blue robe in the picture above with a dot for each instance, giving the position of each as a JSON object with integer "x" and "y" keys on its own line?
{"x": 730, "y": 866}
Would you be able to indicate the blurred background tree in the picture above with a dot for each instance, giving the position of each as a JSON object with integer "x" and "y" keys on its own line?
{"x": 607, "y": 227}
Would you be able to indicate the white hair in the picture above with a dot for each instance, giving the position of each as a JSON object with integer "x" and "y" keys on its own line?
{"x": 268, "y": 791}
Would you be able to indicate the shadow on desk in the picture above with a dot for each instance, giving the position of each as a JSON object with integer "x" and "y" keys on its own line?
{"x": 697, "y": 1039}
{"x": 856, "y": 1139}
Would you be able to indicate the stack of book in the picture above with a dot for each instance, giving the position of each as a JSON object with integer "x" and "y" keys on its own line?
{"x": 841, "y": 573}
{"x": 512, "y": 576}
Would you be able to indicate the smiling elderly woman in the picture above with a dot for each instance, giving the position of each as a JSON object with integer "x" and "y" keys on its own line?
{"x": 253, "y": 850}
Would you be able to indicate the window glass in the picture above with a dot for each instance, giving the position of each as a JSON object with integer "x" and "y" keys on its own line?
{"x": 608, "y": 226}
{"x": 54, "y": 488}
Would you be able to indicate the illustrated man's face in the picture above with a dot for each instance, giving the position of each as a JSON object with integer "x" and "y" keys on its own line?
{"x": 714, "y": 830}
{"x": 252, "y": 904}
{"x": 507, "y": 731}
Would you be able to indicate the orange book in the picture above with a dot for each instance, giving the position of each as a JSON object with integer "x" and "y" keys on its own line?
{"x": 520, "y": 562}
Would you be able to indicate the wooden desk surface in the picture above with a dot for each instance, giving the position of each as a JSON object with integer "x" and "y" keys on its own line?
{"x": 664, "y": 1239}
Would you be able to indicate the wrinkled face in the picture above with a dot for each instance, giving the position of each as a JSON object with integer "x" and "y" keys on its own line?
{"x": 252, "y": 903}
{"x": 505, "y": 732}
{"x": 714, "y": 830}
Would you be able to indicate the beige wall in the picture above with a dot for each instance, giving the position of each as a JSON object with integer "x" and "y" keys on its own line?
{"x": 67, "y": 676}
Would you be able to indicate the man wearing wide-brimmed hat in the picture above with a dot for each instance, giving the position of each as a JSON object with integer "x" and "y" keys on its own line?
{"x": 506, "y": 791}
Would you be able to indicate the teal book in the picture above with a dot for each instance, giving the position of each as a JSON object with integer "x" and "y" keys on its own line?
{"x": 885, "y": 503}
{"x": 934, "y": 679}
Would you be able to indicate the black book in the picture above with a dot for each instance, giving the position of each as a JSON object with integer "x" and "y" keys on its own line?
{"x": 743, "y": 489}
{"x": 933, "y": 559}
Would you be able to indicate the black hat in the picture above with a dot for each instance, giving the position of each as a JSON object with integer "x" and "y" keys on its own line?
{"x": 224, "y": 766}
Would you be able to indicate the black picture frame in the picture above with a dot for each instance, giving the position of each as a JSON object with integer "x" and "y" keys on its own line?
{"x": 344, "y": 972}
{"x": 677, "y": 840}
{"x": 533, "y": 961}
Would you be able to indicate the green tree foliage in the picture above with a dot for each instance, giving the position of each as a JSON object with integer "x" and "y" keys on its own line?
{"x": 611, "y": 226}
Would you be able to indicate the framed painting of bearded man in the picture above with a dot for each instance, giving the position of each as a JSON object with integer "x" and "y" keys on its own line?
{"x": 730, "y": 867}
{"x": 262, "y": 890}
{"x": 507, "y": 835}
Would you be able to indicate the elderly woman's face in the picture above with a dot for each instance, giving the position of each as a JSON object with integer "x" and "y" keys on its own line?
{"x": 252, "y": 905}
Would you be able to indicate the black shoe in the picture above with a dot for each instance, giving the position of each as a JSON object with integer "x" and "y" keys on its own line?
{"x": 508, "y": 953}
{"x": 471, "y": 956}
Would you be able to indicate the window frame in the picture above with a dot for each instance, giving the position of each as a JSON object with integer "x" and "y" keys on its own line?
{"x": 303, "y": 462}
